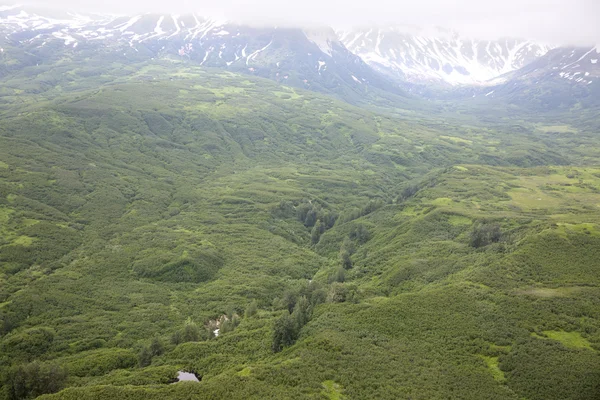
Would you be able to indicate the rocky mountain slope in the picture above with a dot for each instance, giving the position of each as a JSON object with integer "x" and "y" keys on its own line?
{"x": 346, "y": 63}
{"x": 564, "y": 77}
{"x": 576, "y": 64}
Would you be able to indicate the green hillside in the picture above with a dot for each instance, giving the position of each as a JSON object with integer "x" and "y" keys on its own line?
{"x": 343, "y": 252}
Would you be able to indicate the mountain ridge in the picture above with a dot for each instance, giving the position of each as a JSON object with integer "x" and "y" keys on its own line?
{"x": 433, "y": 63}
{"x": 308, "y": 58}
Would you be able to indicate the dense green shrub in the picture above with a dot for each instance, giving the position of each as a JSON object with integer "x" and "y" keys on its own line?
{"x": 31, "y": 380}
{"x": 33, "y": 342}
{"x": 99, "y": 362}
{"x": 484, "y": 234}
{"x": 285, "y": 332}
{"x": 130, "y": 205}
{"x": 191, "y": 266}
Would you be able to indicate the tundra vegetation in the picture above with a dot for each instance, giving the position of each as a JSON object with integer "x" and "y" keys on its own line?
{"x": 340, "y": 251}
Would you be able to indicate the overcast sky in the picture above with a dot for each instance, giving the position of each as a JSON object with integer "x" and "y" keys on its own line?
{"x": 552, "y": 21}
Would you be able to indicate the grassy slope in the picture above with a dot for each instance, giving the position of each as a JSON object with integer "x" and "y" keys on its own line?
{"x": 132, "y": 208}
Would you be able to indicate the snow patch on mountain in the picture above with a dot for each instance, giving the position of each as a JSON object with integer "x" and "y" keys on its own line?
{"x": 323, "y": 38}
{"x": 69, "y": 40}
{"x": 175, "y": 19}
{"x": 129, "y": 23}
{"x": 11, "y": 7}
{"x": 253, "y": 55}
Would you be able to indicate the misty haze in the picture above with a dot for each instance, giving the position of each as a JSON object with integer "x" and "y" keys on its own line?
{"x": 302, "y": 200}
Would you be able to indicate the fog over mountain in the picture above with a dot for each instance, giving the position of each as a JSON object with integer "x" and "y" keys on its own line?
{"x": 552, "y": 21}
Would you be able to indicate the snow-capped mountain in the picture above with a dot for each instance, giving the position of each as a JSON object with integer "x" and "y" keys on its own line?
{"x": 343, "y": 63}
{"x": 564, "y": 77}
{"x": 315, "y": 59}
{"x": 439, "y": 56}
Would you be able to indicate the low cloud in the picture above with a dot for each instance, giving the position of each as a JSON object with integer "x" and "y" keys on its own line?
{"x": 552, "y": 21}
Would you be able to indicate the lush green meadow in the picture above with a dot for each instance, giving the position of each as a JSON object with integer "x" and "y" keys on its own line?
{"x": 343, "y": 252}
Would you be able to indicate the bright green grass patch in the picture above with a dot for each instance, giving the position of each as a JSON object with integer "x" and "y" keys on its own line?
{"x": 227, "y": 90}
{"x": 245, "y": 372}
{"x": 455, "y": 139}
{"x": 30, "y": 222}
{"x": 442, "y": 201}
{"x": 492, "y": 364}
{"x": 506, "y": 348}
{"x": 291, "y": 95}
{"x": 569, "y": 339}
{"x": 290, "y": 361}
{"x": 556, "y": 129}
{"x": 411, "y": 211}
{"x": 23, "y": 241}
{"x": 563, "y": 187}
{"x": 3, "y": 165}
{"x": 459, "y": 220}
{"x": 332, "y": 390}
{"x": 568, "y": 188}
{"x": 528, "y": 199}
{"x": 461, "y": 168}
{"x": 550, "y": 292}
{"x": 5, "y": 215}
{"x": 586, "y": 228}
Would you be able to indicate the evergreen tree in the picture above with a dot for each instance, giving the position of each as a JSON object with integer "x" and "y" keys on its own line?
{"x": 144, "y": 357}
{"x": 360, "y": 233}
{"x": 285, "y": 333}
{"x": 33, "y": 380}
{"x": 346, "y": 252}
{"x": 311, "y": 219}
{"x": 301, "y": 314}
{"x": 338, "y": 276}
{"x": 156, "y": 347}
{"x": 251, "y": 310}
{"x": 484, "y": 234}
{"x": 177, "y": 337}
{"x": 191, "y": 332}
{"x": 317, "y": 231}
{"x": 289, "y": 301}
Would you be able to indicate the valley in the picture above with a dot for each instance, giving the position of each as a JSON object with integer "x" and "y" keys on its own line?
{"x": 166, "y": 214}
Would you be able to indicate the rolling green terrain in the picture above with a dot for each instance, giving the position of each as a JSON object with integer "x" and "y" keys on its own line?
{"x": 407, "y": 251}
